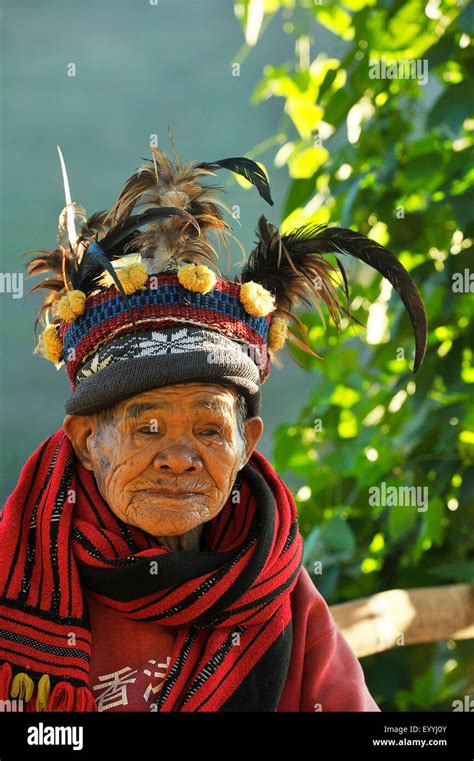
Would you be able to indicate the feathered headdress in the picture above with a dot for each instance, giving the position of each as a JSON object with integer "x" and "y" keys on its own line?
{"x": 164, "y": 216}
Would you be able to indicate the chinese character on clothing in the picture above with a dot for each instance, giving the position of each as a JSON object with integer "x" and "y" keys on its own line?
{"x": 115, "y": 690}
{"x": 158, "y": 675}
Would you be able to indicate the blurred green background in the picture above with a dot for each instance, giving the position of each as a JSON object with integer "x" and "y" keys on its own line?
{"x": 391, "y": 158}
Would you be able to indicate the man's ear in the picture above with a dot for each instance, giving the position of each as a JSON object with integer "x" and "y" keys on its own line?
{"x": 79, "y": 429}
{"x": 253, "y": 429}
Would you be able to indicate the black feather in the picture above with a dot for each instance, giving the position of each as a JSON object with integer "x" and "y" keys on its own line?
{"x": 248, "y": 169}
{"x": 113, "y": 243}
{"x": 305, "y": 248}
{"x": 117, "y": 239}
{"x": 346, "y": 283}
{"x": 350, "y": 243}
{"x": 94, "y": 258}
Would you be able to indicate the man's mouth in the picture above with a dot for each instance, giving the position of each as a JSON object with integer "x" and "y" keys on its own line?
{"x": 172, "y": 493}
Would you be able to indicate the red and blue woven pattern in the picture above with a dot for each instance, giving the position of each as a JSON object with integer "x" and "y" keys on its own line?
{"x": 164, "y": 302}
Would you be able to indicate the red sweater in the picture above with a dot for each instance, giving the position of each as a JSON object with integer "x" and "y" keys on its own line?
{"x": 129, "y": 659}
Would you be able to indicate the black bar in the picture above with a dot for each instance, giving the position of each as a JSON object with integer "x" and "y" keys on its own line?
{"x": 136, "y": 736}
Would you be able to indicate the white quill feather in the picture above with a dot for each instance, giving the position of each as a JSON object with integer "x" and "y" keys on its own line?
{"x": 71, "y": 227}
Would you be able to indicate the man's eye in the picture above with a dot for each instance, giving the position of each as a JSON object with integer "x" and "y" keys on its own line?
{"x": 205, "y": 432}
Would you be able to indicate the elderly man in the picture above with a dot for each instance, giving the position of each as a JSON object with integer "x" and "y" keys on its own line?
{"x": 151, "y": 557}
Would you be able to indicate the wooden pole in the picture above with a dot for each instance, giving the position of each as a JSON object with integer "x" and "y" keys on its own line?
{"x": 406, "y": 617}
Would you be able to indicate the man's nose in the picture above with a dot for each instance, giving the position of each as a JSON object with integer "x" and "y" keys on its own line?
{"x": 178, "y": 458}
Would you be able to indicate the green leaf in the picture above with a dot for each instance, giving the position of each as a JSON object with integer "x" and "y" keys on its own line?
{"x": 401, "y": 518}
{"x": 452, "y": 107}
{"x": 338, "y": 535}
{"x": 305, "y": 163}
{"x": 305, "y": 114}
{"x": 336, "y": 20}
{"x": 344, "y": 396}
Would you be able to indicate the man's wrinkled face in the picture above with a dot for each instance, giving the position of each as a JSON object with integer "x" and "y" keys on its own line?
{"x": 167, "y": 459}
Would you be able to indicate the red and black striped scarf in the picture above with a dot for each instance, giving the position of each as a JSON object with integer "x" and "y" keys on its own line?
{"x": 230, "y": 600}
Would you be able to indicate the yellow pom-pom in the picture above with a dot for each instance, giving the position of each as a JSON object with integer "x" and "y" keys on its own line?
{"x": 133, "y": 278}
{"x": 277, "y": 333}
{"x": 52, "y": 346}
{"x": 256, "y": 300}
{"x": 44, "y": 688}
{"x": 22, "y": 687}
{"x": 196, "y": 277}
{"x": 71, "y": 305}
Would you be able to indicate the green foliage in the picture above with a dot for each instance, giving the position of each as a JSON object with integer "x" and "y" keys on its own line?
{"x": 394, "y": 160}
